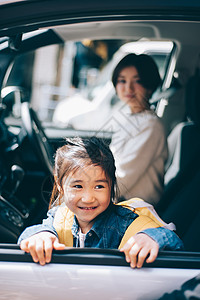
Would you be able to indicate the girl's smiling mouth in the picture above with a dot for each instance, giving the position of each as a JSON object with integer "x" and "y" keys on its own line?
{"x": 88, "y": 208}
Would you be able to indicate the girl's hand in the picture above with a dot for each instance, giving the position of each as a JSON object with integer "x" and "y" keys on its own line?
{"x": 138, "y": 248}
{"x": 41, "y": 245}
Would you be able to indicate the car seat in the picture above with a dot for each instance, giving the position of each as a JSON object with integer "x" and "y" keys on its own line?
{"x": 180, "y": 202}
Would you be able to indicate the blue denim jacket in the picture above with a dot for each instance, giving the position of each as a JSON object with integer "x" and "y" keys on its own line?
{"x": 108, "y": 230}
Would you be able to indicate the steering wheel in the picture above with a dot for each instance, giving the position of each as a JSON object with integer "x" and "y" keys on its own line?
{"x": 37, "y": 137}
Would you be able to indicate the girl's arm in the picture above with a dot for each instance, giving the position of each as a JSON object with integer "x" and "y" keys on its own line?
{"x": 148, "y": 243}
{"x": 40, "y": 246}
{"x": 40, "y": 240}
{"x": 47, "y": 225}
{"x": 137, "y": 248}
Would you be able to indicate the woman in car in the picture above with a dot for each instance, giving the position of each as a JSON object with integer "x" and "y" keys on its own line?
{"x": 139, "y": 143}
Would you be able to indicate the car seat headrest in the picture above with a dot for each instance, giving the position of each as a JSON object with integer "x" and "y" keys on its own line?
{"x": 193, "y": 98}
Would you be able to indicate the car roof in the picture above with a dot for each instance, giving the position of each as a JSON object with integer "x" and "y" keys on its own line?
{"x": 22, "y": 15}
{"x": 131, "y": 20}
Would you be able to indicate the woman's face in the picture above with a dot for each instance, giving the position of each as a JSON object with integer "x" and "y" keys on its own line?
{"x": 87, "y": 194}
{"x": 130, "y": 90}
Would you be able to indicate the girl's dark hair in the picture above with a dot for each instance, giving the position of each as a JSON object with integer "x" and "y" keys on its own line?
{"x": 79, "y": 153}
{"x": 146, "y": 67}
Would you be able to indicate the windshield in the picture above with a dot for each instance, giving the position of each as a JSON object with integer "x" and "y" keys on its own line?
{"x": 69, "y": 85}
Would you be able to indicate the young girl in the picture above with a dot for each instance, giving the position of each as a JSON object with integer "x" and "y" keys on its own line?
{"x": 83, "y": 213}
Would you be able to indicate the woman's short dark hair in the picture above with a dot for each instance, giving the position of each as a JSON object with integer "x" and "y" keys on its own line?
{"x": 146, "y": 67}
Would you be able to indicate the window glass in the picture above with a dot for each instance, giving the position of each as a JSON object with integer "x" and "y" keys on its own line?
{"x": 69, "y": 85}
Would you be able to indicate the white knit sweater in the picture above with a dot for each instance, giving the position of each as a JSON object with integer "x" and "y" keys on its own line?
{"x": 139, "y": 146}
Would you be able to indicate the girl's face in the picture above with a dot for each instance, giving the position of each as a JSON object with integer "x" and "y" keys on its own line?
{"x": 87, "y": 194}
{"x": 130, "y": 90}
